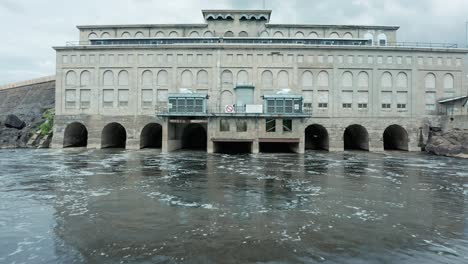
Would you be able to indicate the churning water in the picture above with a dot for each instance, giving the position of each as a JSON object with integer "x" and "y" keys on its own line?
{"x": 108, "y": 206}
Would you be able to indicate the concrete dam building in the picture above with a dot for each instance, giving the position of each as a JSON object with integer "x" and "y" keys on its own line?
{"x": 238, "y": 83}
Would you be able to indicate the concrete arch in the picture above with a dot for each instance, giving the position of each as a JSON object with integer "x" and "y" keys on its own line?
{"x": 430, "y": 81}
{"x": 323, "y": 79}
{"x": 75, "y": 136}
{"x": 386, "y": 81}
{"x": 139, "y": 34}
{"x": 92, "y": 35}
{"x": 160, "y": 34}
{"x": 278, "y": 34}
{"x": 243, "y": 34}
{"x": 449, "y": 81}
{"x": 313, "y": 34}
{"x": 229, "y": 34}
{"x": 348, "y": 35}
{"x": 194, "y": 137}
{"x": 334, "y": 35}
{"x": 147, "y": 78}
{"x": 382, "y": 37}
{"x": 363, "y": 79}
{"x": 299, "y": 34}
{"x": 267, "y": 79}
{"x": 316, "y": 137}
{"x": 356, "y": 137}
{"x": 395, "y": 137}
{"x": 105, "y": 35}
{"x": 370, "y": 37}
{"x": 307, "y": 79}
{"x": 227, "y": 79}
{"x": 264, "y": 34}
{"x": 123, "y": 78}
{"x": 208, "y": 34}
{"x": 113, "y": 135}
{"x": 402, "y": 80}
{"x": 108, "y": 78}
{"x": 162, "y": 78}
{"x": 173, "y": 34}
{"x": 126, "y": 34}
{"x": 347, "y": 79}
{"x": 194, "y": 34}
{"x": 151, "y": 136}
{"x": 202, "y": 78}
{"x": 71, "y": 78}
{"x": 85, "y": 78}
{"x": 243, "y": 77}
{"x": 186, "y": 79}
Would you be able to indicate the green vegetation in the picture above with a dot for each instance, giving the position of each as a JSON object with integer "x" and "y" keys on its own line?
{"x": 46, "y": 127}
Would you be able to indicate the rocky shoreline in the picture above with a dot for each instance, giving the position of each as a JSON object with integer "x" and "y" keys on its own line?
{"x": 453, "y": 143}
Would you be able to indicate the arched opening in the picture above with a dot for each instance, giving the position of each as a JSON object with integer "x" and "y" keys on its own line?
{"x": 194, "y": 137}
{"x": 151, "y": 136}
{"x": 75, "y": 136}
{"x": 356, "y": 138}
{"x": 113, "y": 136}
{"x": 316, "y": 138}
{"x": 395, "y": 138}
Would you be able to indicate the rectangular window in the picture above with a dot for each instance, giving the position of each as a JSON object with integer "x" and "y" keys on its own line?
{"x": 241, "y": 125}
{"x": 323, "y": 99}
{"x": 224, "y": 125}
{"x": 363, "y": 99}
{"x": 386, "y": 100}
{"x": 162, "y": 95}
{"x": 270, "y": 125}
{"x": 287, "y": 125}
{"x": 108, "y": 98}
{"x": 70, "y": 98}
{"x": 85, "y": 99}
{"x": 123, "y": 98}
{"x": 402, "y": 100}
{"x": 430, "y": 101}
{"x": 147, "y": 98}
{"x": 347, "y": 99}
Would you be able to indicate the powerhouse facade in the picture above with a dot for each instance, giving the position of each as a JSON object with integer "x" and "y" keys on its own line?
{"x": 240, "y": 83}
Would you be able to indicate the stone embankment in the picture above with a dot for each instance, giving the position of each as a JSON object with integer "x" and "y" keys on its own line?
{"x": 22, "y": 106}
{"x": 453, "y": 143}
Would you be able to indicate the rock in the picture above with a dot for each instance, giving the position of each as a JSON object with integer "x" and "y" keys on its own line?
{"x": 12, "y": 121}
{"x": 453, "y": 143}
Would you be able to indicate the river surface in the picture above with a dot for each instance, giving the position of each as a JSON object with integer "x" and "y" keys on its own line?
{"x": 110, "y": 206}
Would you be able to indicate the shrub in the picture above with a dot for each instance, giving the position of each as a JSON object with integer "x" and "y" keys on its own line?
{"x": 46, "y": 127}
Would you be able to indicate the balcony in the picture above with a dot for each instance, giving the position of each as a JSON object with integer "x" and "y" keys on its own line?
{"x": 195, "y": 105}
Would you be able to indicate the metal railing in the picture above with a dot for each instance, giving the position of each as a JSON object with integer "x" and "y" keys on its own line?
{"x": 163, "y": 109}
{"x": 211, "y": 41}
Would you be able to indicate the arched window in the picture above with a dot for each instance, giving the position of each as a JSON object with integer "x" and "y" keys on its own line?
{"x": 227, "y": 79}
{"x": 448, "y": 81}
{"x": 162, "y": 78}
{"x": 347, "y": 79}
{"x": 370, "y": 38}
{"x": 348, "y": 35}
{"x": 382, "y": 39}
{"x": 226, "y": 98}
{"x": 264, "y": 34}
{"x": 283, "y": 79}
{"x": 108, "y": 78}
{"x": 208, "y": 34}
{"x": 363, "y": 79}
{"x": 278, "y": 34}
{"x": 334, "y": 35}
{"x": 160, "y": 34}
{"x": 299, "y": 34}
{"x": 187, "y": 79}
{"x": 173, "y": 34}
{"x": 313, "y": 35}
{"x": 323, "y": 79}
{"x": 402, "y": 80}
{"x": 386, "y": 81}
{"x": 147, "y": 78}
{"x": 430, "y": 81}
{"x": 105, "y": 35}
{"x": 307, "y": 80}
{"x": 93, "y": 36}
{"x": 85, "y": 78}
{"x": 123, "y": 78}
{"x": 243, "y": 34}
{"x": 194, "y": 34}
{"x": 70, "y": 78}
{"x": 267, "y": 79}
{"x": 126, "y": 35}
{"x": 243, "y": 77}
{"x": 202, "y": 78}
{"x": 139, "y": 34}
{"x": 229, "y": 34}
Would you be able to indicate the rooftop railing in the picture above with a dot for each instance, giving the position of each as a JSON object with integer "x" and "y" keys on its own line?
{"x": 265, "y": 41}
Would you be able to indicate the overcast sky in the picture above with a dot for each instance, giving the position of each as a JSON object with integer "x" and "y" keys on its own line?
{"x": 31, "y": 27}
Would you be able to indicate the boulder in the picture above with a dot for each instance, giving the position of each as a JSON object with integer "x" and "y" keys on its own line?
{"x": 12, "y": 121}
{"x": 452, "y": 143}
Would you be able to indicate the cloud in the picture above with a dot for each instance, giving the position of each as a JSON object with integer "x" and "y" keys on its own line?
{"x": 34, "y": 26}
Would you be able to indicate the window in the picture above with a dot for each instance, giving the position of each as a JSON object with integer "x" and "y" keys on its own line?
{"x": 386, "y": 100}
{"x": 108, "y": 98}
{"x": 270, "y": 125}
{"x": 287, "y": 125}
{"x": 362, "y": 106}
{"x": 85, "y": 99}
{"x": 241, "y": 125}
{"x": 347, "y": 105}
{"x": 147, "y": 98}
{"x": 123, "y": 98}
{"x": 323, "y": 99}
{"x": 70, "y": 98}
{"x": 402, "y": 100}
{"x": 224, "y": 125}
{"x": 430, "y": 101}
{"x": 347, "y": 99}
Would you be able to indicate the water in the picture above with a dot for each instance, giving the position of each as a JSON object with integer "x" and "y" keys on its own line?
{"x": 97, "y": 206}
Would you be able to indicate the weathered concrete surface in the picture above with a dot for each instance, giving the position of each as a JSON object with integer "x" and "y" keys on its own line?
{"x": 28, "y": 103}
{"x": 453, "y": 143}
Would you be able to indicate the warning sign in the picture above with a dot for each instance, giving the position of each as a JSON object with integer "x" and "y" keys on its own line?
{"x": 229, "y": 109}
